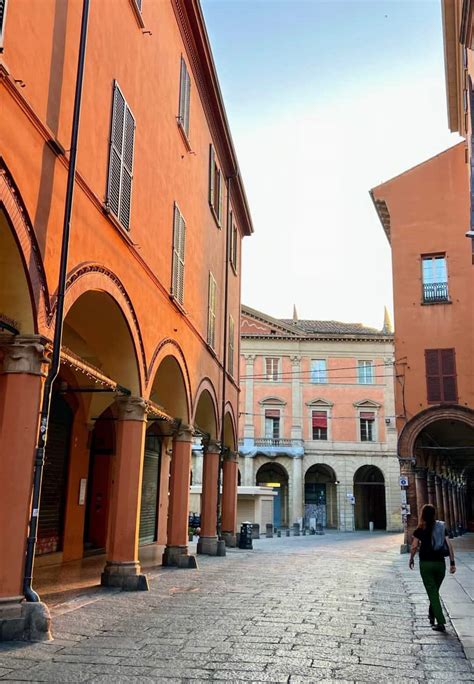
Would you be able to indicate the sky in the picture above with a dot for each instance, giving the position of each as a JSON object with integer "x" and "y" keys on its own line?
{"x": 326, "y": 99}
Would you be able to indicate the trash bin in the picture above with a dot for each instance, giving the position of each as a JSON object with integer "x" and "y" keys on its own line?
{"x": 245, "y": 538}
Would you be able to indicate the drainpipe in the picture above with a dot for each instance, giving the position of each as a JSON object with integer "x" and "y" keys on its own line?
{"x": 224, "y": 355}
{"x": 29, "y": 592}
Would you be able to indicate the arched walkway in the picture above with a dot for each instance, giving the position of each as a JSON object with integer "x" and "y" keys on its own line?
{"x": 320, "y": 496}
{"x": 275, "y": 476}
{"x": 369, "y": 492}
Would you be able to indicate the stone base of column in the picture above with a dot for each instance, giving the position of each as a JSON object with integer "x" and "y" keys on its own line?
{"x": 126, "y": 576}
{"x": 207, "y": 546}
{"x": 230, "y": 539}
{"x": 178, "y": 557}
{"x": 23, "y": 621}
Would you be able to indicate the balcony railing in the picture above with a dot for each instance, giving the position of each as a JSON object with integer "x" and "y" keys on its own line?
{"x": 269, "y": 442}
{"x": 435, "y": 292}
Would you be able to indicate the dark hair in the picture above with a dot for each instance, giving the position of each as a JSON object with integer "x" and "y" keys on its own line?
{"x": 428, "y": 516}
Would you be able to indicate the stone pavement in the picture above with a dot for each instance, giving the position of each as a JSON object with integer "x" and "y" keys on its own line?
{"x": 342, "y": 607}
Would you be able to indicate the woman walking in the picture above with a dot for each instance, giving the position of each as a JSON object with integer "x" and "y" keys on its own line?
{"x": 431, "y": 540}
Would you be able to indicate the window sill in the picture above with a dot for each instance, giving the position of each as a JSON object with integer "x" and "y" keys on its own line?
{"x": 178, "y": 304}
{"x": 137, "y": 13}
{"x": 234, "y": 269}
{"x": 125, "y": 232}
{"x": 211, "y": 350}
{"x": 442, "y": 301}
{"x": 184, "y": 135}
{"x": 215, "y": 217}
{"x": 443, "y": 403}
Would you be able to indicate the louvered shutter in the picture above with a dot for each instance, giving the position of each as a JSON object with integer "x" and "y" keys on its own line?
{"x": 187, "y": 102}
{"x": 230, "y": 361}
{"x": 175, "y": 264}
{"x": 182, "y": 244}
{"x": 139, "y": 4}
{"x": 212, "y": 171}
{"x": 433, "y": 375}
{"x": 3, "y": 13}
{"x": 211, "y": 318}
{"x": 116, "y": 151}
{"x": 220, "y": 208}
{"x": 127, "y": 169}
{"x": 448, "y": 371}
{"x": 184, "y": 96}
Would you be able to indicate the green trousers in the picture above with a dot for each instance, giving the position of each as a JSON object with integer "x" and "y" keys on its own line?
{"x": 432, "y": 573}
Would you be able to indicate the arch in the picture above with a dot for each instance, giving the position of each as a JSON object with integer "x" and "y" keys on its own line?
{"x": 170, "y": 347}
{"x": 409, "y": 434}
{"x": 96, "y": 328}
{"x": 20, "y": 262}
{"x": 95, "y": 277}
{"x": 230, "y": 428}
{"x": 205, "y": 409}
{"x": 320, "y": 496}
{"x": 169, "y": 389}
{"x": 370, "y": 503}
{"x": 275, "y": 475}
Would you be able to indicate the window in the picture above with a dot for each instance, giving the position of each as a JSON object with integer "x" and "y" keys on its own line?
{"x": 233, "y": 242}
{"x": 441, "y": 382}
{"x": 230, "y": 351}
{"x": 179, "y": 241}
{"x": 320, "y": 425}
{"x": 272, "y": 367}
{"x": 435, "y": 278}
{"x": 211, "y": 312}
{"x": 3, "y": 14}
{"x": 366, "y": 372}
{"x": 272, "y": 423}
{"x": 122, "y": 140}
{"x": 367, "y": 424}
{"x": 184, "y": 98}
{"x": 319, "y": 371}
{"x": 216, "y": 193}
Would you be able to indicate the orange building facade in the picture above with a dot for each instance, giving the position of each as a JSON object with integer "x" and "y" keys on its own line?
{"x": 424, "y": 213}
{"x": 149, "y": 360}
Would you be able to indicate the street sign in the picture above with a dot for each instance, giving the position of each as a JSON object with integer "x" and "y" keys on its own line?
{"x": 403, "y": 481}
{"x": 403, "y": 493}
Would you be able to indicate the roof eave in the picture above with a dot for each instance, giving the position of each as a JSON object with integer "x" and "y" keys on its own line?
{"x": 451, "y": 64}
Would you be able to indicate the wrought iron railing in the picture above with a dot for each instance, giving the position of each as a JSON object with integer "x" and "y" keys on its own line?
{"x": 435, "y": 292}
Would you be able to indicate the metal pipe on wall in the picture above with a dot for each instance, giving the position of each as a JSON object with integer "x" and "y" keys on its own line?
{"x": 28, "y": 591}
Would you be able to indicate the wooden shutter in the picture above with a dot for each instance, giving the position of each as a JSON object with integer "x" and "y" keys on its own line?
{"x": 220, "y": 208}
{"x": 179, "y": 243}
{"x": 139, "y": 4}
{"x": 3, "y": 13}
{"x": 184, "y": 97}
{"x": 230, "y": 361}
{"x": 211, "y": 316}
{"x": 122, "y": 143}
{"x": 433, "y": 375}
{"x": 212, "y": 170}
{"x": 448, "y": 370}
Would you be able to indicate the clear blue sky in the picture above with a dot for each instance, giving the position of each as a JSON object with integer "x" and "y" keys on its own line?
{"x": 326, "y": 100}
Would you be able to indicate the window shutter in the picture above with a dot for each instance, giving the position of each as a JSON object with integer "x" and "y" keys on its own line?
{"x": 187, "y": 102}
{"x": 320, "y": 419}
{"x": 220, "y": 208}
{"x": 3, "y": 13}
{"x": 184, "y": 96}
{"x": 212, "y": 170}
{"x": 230, "y": 362}
{"x": 272, "y": 413}
{"x": 116, "y": 151}
{"x": 182, "y": 244}
{"x": 433, "y": 375}
{"x": 127, "y": 169}
{"x": 179, "y": 242}
{"x": 211, "y": 320}
{"x": 448, "y": 369}
{"x": 139, "y": 4}
{"x": 367, "y": 415}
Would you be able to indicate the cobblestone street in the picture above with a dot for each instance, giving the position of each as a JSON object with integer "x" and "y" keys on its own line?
{"x": 333, "y": 608}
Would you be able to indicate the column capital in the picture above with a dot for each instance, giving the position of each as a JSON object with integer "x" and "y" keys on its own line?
{"x": 184, "y": 433}
{"x": 210, "y": 446}
{"x": 130, "y": 408}
{"x": 249, "y": 358}
{"x": 231, "y": 456}
{"x": 295, "y": 359}
{"x": 421, "y": 472}
{"x": 24, "y": 354}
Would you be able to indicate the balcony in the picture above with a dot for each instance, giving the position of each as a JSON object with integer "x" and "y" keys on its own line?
{"x": 267, "y": 446}
{"x": 435, "y": 293}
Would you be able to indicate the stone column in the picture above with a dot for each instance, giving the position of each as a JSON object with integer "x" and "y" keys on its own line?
{"x": 430, "y": 482}
{"x": 296, "y": 399}
{"x": 176, "y": 551}
{"x": 229, "y": 497}
{"x": 198, "y": 460}
{"x": 249, "y": 431}
{"x": 122, "y": 568}
{"x": 447, "y": 511}
{"x": 421, "y": 490}
{"x": 456, "y": 508}
{"x": 207, "y": 543}
{"x": 439, "y": 497}
{"x": 452, "y": 512}
{"x": 21, "y": 388}
{"x": 297, "y": 508}
{"x": 248, "y": 478}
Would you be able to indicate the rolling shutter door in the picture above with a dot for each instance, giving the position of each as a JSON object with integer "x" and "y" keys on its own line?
{"x": 53, "y": 490}
{"x": 150, "y": 488}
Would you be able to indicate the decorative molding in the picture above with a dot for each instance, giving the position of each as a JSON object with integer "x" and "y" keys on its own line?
{"x": 367, "y": 403}
{"x": 131, "y": 408}
{"x": 273, "y": 401}
{"x": 180, "y": 358}
{"x": 324, "y": 403}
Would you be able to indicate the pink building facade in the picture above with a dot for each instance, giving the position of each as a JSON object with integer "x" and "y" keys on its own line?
{"x": 318, "y": 421}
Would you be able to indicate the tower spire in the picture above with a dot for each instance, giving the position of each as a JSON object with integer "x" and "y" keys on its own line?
{"x": 295, "y": 314}
{"x": 387, "y": 322}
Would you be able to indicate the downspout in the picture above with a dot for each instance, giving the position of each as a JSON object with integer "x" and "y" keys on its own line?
{"x": 29, "y": 592}
{"x": 224, "y": 359}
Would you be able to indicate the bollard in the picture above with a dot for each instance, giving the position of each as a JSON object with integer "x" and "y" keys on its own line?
{"x": 287, "y": 532}
{"x": 269, "y": 531}
{"x": 296, "y": 529}
{"x": 255, "y": 531}
{"x": 278, "y": 533}
{"x": 304, "y": 531}
{"x": 371, "y": 526}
